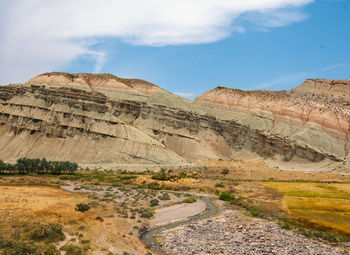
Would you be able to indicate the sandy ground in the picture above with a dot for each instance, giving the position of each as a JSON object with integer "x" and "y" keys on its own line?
{"x": 177, "y": 212}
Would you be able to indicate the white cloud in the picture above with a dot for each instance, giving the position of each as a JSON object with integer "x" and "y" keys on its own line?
{"x": 41, "y": 35}
{"x": 297, "y": 78}
{"x": 185, "y": 94}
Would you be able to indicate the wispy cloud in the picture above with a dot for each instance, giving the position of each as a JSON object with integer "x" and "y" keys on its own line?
{"x": 294, "y": 79}
{"x": 185, "y": 94}
{"x": 41, "y": 35}
{"x": 333, "y": 67}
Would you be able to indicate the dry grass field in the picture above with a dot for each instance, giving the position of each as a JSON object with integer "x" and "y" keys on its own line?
{"x": 258, "y": 170}
{"x": 327, "y": 205}
{"x": 24, "y": 207}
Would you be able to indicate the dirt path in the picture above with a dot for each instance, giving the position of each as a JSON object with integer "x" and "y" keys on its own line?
{"x": 150, "y": 237}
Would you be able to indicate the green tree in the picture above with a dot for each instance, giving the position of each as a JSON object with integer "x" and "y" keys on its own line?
{"x": 3, "y": 166}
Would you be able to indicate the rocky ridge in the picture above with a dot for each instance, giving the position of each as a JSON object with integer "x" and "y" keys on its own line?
{"x": 102, "y": 119}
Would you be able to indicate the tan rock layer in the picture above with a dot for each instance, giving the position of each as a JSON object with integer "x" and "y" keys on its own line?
{"x": 96, "y": 81}
{"x": 65, "y": 123}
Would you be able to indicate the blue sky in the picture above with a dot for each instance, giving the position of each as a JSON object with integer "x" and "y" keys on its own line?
{"x": 242, "y": 47}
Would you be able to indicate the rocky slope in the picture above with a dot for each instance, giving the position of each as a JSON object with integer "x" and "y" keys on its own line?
{"x": 105, "y": 120}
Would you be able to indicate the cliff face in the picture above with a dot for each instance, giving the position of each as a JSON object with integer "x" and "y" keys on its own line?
{"x": 103, "y": 119}
{"x": 305, "y": 116}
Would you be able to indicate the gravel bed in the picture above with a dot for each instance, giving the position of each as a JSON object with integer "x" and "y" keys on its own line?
{"x": 234, "y": 233}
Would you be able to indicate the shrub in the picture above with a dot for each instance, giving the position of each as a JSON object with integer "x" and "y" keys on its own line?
{"x": 254, "y": 211}
{"x": 154, "y": 186}
{"x": 164, "y": 196}
{"x": 225, "y": 171}
{"x": 51, "y": 251}
{"x": 220, "y": 185}
{"x": 3, "y": 166}
{"x": 226, "y": 196}
{"x": 72, "y": 249}
{"x": 49, "y": 232}
{"x": 19, "y": 248}
{"x": 81, "y": 207}
{"x": 162, "y": 175}
{"x": 99, "y": 218}
{"x": 154, "y": 202}
{"x": 286, "y": 226}
{"x": 190, "y": 200}
{"x": 146, "y": 213}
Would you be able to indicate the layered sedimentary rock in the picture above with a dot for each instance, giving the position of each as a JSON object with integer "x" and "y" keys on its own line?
{"x": 314, "y": 124}
{"x": 333, "y": 88}
{"x": 102, "y": 119}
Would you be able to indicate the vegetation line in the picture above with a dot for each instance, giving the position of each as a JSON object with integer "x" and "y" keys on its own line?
{"x": 38, "y": 166}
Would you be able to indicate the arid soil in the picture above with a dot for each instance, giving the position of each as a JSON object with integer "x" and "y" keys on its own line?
{"x": 179, "y": 212}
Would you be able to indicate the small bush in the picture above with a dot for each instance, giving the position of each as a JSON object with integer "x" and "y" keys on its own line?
{"x": 219, "y": 185}
{"x": 163, "y": 175}
{"x": 286, "y": 226}
{"x": 164, "y": 196}
{"x": 72, "y": 249}
{"x": 154, "y": 186}
{"x": 154, "y": 202}
{"x": 81, "y": 207}
{"x": 146, "y": 214}
{"x": 20, "y": 248}
{"x": 225, "y": 171}
{"x": 51, "y": 250}
{"x": 49, "y": 232}
{"x": 190, "y": 200}
{"x": 228, "y": 197}
{"x": 254, "y": 211}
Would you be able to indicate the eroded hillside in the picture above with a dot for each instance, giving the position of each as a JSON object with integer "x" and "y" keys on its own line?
{"x": 105, "y": 120}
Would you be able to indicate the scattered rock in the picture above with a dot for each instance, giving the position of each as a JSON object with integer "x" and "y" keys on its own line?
{"x": 233, "y": 233}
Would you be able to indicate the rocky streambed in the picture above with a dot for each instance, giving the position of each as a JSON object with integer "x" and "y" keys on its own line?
{"x": 234, "y": 233}
{"x": 150, "y": 238}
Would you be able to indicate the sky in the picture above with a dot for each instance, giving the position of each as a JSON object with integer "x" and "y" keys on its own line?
{"x": 184, "y": 46}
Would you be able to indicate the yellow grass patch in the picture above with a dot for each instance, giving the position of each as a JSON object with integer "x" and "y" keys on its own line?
{"x": 323, "y": 204}
{"x": 38, "y": 200}
{"x": 22, "y": 205}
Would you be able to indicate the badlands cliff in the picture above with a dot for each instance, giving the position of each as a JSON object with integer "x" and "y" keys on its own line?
{"x": 102, "y": 120}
